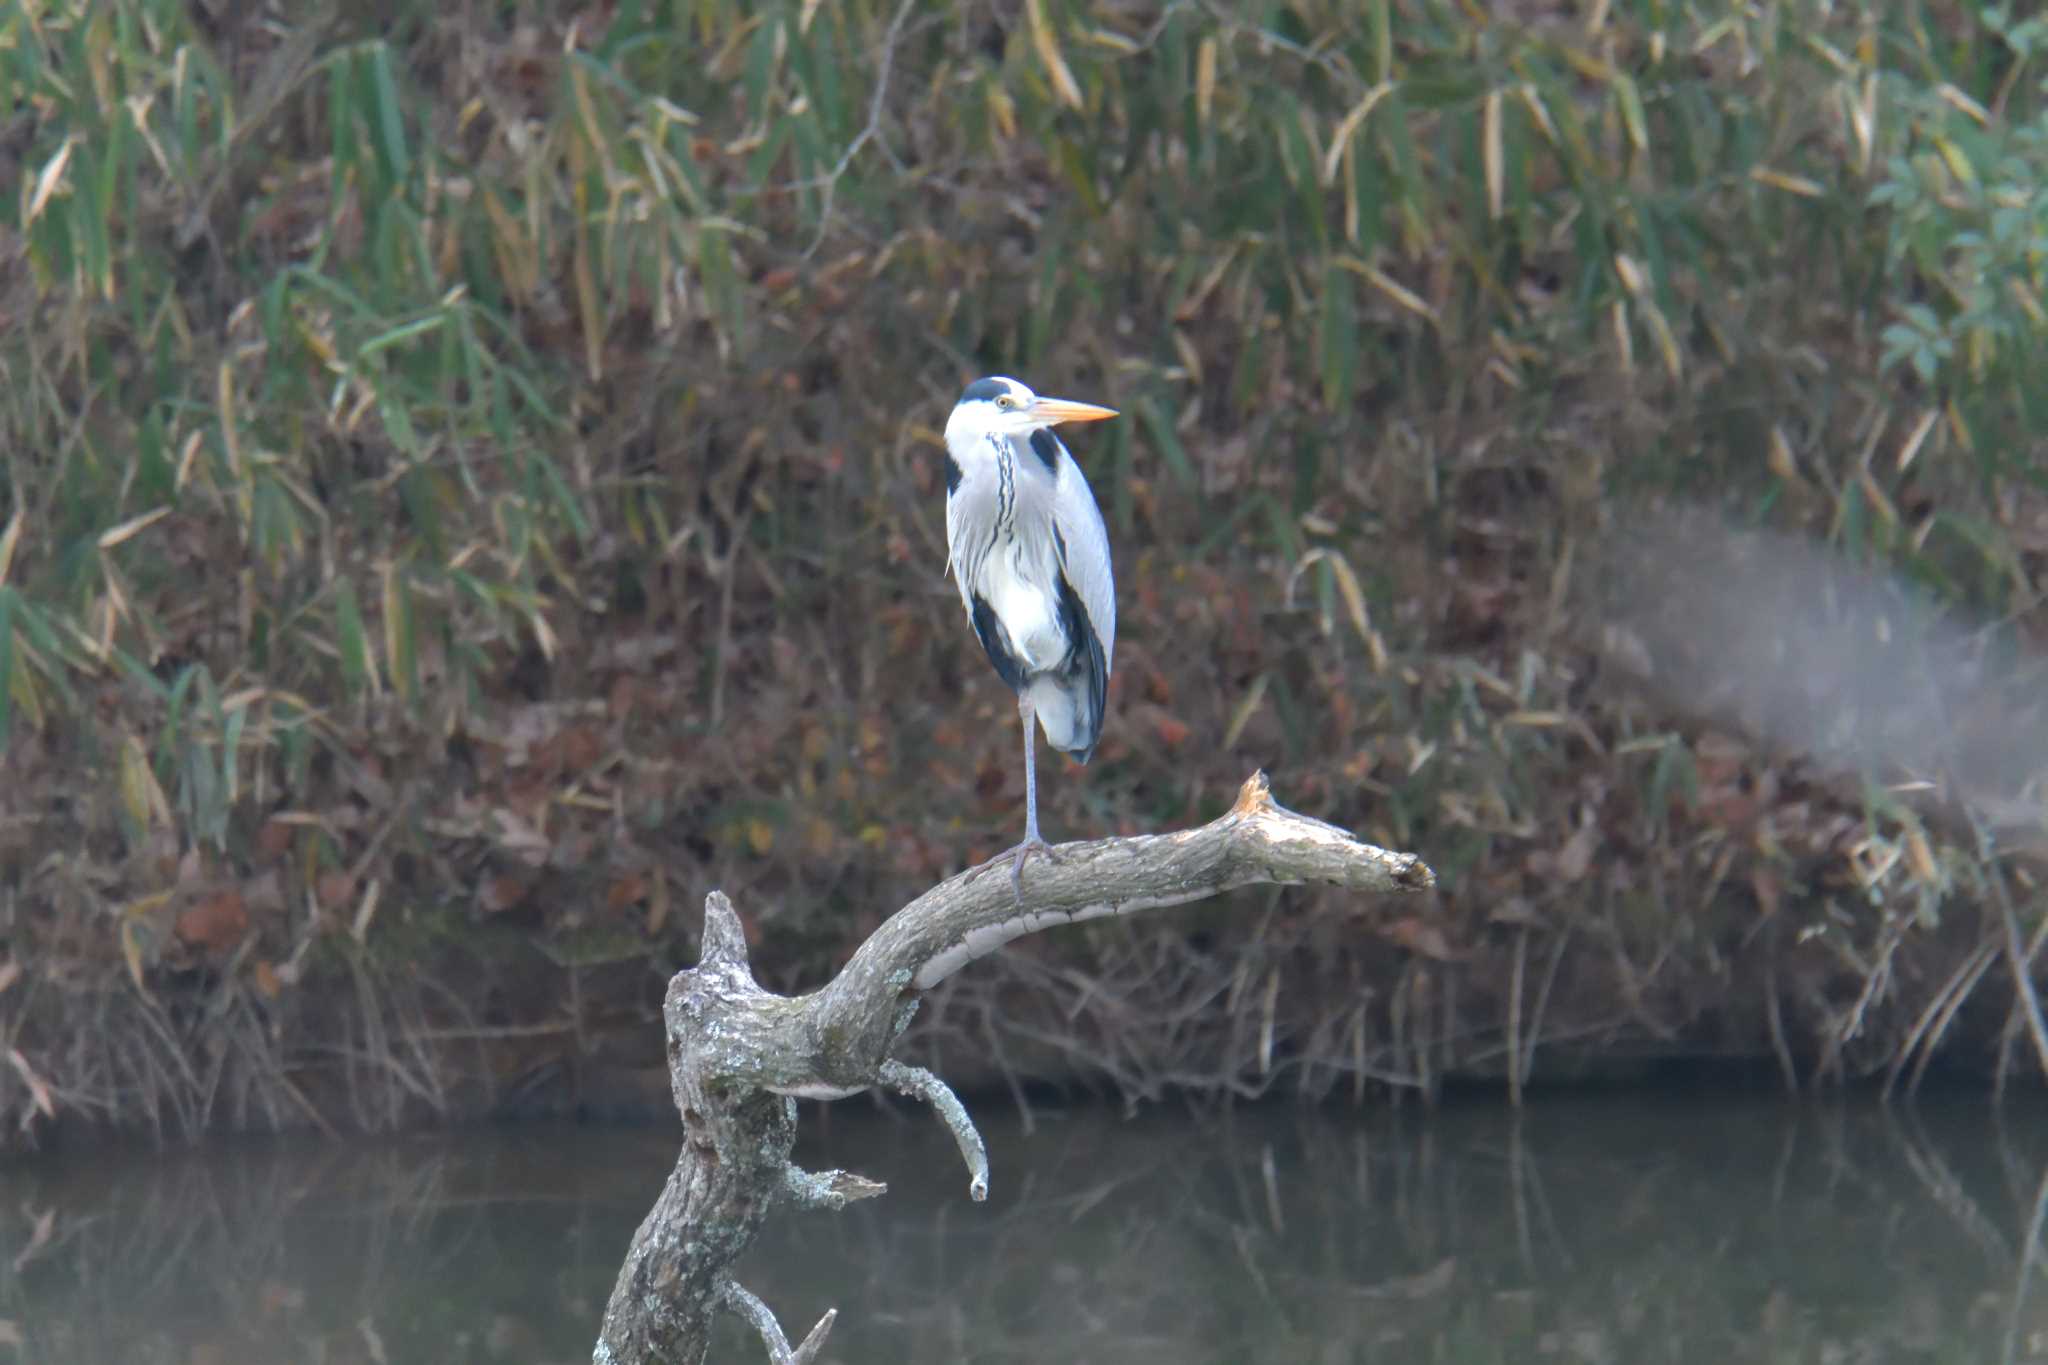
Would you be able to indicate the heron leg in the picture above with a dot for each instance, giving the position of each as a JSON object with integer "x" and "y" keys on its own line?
{"x": 1032, "y": 843}
{"x": 1024, "y": 713}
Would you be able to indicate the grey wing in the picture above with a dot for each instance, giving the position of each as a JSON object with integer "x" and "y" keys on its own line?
{"x": 1084, "y": 553}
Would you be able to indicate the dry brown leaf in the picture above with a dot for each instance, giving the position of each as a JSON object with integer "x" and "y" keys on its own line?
{"x": 657, "y": 904}
{"x": 132, "y": 527}
{"x": 1577, "y": 854}
{"x": 1769, "y": 891}
{"x": 627, "y": 890}
{"x": 214, "y": 923}
{"x": 42, "y": 1225}
{"x": 274, "y": 840}
{"x": 274, "y": 1298}
{"x": 517, "y": 835}
{"x": 131, "y": 953}
{"x": 365, "y": 911}
{"x": 1495, "y": 163}
{"x": 581, "y": 746}
{"x": 141, "y": 793}
{"x": 52, "y": 176}
{"x": 1419, "y": 936}
{"x": 334, "y": 889}
{"x": 1919, "y": 857}
{"x": 622, "y": 697}
{"x": 39, "y": 1091}
{"x": 1718, "y": 757}
{"x": 1048, "y": 44}
{"x": 495, "y": 895}
{"x": 264, "y": 893}
{"x": 1432, "y": 1281}
{"x": 1515, "y": 910}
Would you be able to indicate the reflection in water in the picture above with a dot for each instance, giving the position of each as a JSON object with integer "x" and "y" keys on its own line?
{"x": 1586, "y": 1231}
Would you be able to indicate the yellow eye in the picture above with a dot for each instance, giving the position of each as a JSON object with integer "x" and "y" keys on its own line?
{"x": 1005, "y": 401}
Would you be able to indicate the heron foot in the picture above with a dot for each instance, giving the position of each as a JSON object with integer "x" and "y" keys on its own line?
{"x": 1017, "y": 857}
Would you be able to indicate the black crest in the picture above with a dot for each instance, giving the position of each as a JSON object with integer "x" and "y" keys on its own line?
{"x": 984, "y": 389}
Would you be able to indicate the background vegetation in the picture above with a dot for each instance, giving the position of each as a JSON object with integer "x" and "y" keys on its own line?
{"x": 470, "y": 488}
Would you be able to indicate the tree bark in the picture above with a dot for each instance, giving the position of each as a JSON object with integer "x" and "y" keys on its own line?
{"x": 740, "y": 1057}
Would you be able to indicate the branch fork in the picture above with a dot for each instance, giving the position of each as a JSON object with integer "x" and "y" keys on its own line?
{"x": 740, "y": 1056}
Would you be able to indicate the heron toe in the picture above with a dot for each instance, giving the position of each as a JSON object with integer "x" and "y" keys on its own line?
{"x": 1017, "y": 854}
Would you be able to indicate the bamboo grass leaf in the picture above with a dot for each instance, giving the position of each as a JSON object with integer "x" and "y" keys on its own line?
{"x": 401, "y": 649}
{"x": 1047, "y": 44}
{"x": 358, "y": 669}
{"x": 383, "y": 111}
{"x": 1167, "y": 441}
{"x": 7, "y": 663}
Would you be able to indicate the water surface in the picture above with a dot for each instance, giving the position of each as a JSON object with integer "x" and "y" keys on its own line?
{"x": 1616, "y": 1229}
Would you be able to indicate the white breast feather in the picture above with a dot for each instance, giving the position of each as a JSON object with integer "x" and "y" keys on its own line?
{"x": 1027, "y": 612}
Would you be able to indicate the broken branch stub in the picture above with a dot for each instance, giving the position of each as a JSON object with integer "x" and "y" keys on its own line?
{"x": 739, "y": 1056}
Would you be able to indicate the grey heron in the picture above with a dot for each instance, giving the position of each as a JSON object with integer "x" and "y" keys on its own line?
{"x": 1030, "y": 555}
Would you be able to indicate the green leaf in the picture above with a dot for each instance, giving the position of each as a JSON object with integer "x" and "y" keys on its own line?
{"x": 399, "y": 625}
{"x": 1674, "y": 771}
{"x": 1338, "y": 338}
{"x": 386, "y": 119}
{"x": 1167, "y": 441}
{"x": 402, "y": 333}
{"x": 7, "y": 611}
{"x": 350, "y": 639}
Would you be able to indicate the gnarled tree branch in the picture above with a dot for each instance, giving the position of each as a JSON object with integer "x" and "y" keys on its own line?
{"x": 740, "y": 1056}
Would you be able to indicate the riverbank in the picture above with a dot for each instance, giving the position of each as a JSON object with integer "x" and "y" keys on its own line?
{"x": 473, "y": 489}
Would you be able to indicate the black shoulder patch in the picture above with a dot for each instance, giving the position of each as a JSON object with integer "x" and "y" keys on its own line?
{"x": 989, "y": 389}
{"x": 1046, "y": 447}
{"x": 997, "y": 645}
{"x": 952, "y": 473}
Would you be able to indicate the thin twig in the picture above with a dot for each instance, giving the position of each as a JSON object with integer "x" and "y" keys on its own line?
{"x": 1875, "y": 979}
{"x": 1774, "y": 1015}
{"x": 870, "y": 131}
{"x": 1515, "y": 1017}
{"x": 2029, "y": 1252}
{"x": 921, "y": 1084}
{"x": 1933, "y": 1022}
{"x": 741, "y": 1300}
{"x": 2023, "y": 977}
{"x": 1543, "y": 1001}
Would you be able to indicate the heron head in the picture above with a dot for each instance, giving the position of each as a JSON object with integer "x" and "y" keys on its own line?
{"x": 1002, "y": 405}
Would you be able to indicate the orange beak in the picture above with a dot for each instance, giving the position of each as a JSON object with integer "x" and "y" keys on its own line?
{"x": 1053, "y": 411}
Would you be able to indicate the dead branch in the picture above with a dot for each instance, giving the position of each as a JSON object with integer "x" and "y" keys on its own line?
{"x": 739, "y": 1057}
